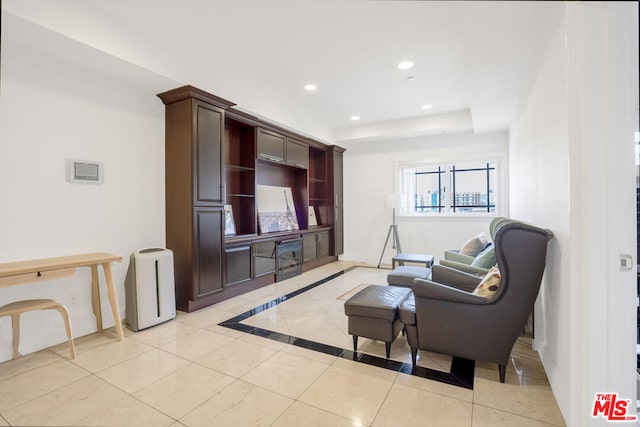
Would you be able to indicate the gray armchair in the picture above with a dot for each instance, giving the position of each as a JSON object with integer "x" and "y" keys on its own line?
{"x": 478, "y": 264}
{"x": 446, "y": 317}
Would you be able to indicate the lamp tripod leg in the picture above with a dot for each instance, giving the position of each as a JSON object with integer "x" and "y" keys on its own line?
{"x": 397, "y": 237}
{"x": 391, "y": 227}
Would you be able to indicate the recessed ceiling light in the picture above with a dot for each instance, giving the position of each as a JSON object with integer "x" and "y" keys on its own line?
{"x": 405, "y": 65}
{"x": 427, "y": 106}
{"x": 355, "y": 118}
{"x": 310, "y": 87}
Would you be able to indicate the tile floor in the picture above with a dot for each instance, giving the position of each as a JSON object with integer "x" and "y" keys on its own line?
{"x": 193, "y": 372}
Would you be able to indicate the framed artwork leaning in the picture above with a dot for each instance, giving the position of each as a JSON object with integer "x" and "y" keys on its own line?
{"x": 313, "y": 219}
{"x": 229, "y": 224}
{"x": 276, "y": 210}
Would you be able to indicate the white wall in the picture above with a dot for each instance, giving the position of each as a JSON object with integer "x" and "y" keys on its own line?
{"x": 572, "y": 170}
{"x": 369, "y": 174}
{"x": 540, "y": 194}
{"x": 51, "y": 109}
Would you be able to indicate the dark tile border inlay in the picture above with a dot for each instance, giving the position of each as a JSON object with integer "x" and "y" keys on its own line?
{"x": 462, "y": 370}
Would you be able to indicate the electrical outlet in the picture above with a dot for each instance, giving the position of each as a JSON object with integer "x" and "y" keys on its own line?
{"x": 74, "y": 299}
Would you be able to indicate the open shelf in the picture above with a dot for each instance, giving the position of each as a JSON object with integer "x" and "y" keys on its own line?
{"x": 318, "y": 183}
{"x": 269, "y": 173}
{"x": 240, "y": 176}
{"x": 236, "y": 168}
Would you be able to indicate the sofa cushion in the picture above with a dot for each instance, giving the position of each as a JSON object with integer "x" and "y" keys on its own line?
{"x": 489, "y": 286}
{"x": 475, "y": 245}
{"x": 486, "y": 258}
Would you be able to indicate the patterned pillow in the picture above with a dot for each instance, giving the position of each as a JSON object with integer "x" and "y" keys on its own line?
{"x": 488, "y": 287}
{"x": 475, "y": 245}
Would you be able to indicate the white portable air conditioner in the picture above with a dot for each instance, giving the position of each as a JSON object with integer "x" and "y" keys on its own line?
{"x": 149, "y": 288}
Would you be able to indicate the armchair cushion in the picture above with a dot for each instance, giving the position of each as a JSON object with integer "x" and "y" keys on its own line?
{"x": 475, "y": 245}
{"x": 437, "y": 291}
{"x": 486, "y": 258}
{"x": 455, "y": 278}
{"x": 455, "y": 255}
{"x": 488, "y": 287}
{"x": 468, "y": 268}
{"x": 407, "y": 310}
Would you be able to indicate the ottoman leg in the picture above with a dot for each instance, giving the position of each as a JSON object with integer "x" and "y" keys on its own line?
{"x": 355, "y": 344}
{"x": 387, "y": 346}
{"x": 414, "y": 354}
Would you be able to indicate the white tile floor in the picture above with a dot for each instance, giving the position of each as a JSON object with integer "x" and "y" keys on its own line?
{"x": 192, "y": 372}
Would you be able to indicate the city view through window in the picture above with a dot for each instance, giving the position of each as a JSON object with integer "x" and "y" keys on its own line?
{"x": 468, "y": 187}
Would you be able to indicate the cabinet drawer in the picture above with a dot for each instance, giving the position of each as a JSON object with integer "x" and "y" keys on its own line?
{"x": 270, "y": 146}
{"x": 38, "y": 276}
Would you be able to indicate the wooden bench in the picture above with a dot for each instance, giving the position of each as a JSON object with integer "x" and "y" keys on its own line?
{"x": 15, "y": 309}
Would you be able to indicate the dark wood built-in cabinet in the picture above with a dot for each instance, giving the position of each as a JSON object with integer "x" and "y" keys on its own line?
{"x": 335, "y": 199}
{"x": 216, "y": 156}
{"x": 297, "y": 154}
{"x": 271, "y": 146}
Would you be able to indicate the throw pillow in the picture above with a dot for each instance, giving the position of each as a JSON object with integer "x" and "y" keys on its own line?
{"x": 486, "y": 258}
{"x": 488, "y": 287}
{"x": 475, "y": 245}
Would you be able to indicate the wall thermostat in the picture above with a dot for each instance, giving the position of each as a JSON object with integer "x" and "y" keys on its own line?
{"x": 84, "y": 171}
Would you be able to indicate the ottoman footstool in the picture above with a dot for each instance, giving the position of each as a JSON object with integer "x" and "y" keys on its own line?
{"x": 373, "y": 314}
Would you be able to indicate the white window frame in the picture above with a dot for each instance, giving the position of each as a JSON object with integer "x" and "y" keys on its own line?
{"x": 501, "y": 186}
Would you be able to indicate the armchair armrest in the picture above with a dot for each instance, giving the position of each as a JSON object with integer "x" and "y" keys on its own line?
{"x": 464, "y": 267}
{"x": 455, "y": 278}
{"x": 437, "y": 291}
{"x": 455, "y": 255}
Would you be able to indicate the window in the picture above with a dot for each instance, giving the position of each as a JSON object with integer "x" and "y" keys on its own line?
{"x": 462, "y": 188}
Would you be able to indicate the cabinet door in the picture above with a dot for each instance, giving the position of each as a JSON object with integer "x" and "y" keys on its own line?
{"x": 338, "y": 225}
{"x": 324, "y": 244}
{"x": 207, "y": 154}
{"x": 271, "y": 146}
{"x": 208, "y": 239}
{"x": 297, "y": 154}
{"x": 264, "y": 258}
{"x": 238, "y": 264}
{"x": 338, "y": 231}
{"x": 337, "y": 178}
{"x": 309, "y": 247}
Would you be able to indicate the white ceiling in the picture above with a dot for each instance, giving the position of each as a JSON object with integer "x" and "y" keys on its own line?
{"x": 473, "y": 60}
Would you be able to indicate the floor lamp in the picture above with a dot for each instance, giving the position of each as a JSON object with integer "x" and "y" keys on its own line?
{"x": 392, "y": 201}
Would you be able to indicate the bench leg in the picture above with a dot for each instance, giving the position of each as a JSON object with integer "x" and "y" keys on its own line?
{"x": 95, "y": 296}
{"x": 387, "y": 346}
{"x": 15, "y": 324}
{"x": 65, "y": 316}
{"x": 355, "y": 344}
{"x": 414, "y": 356}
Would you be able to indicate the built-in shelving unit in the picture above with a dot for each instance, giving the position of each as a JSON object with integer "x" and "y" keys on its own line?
{"x": 216, "y": 156}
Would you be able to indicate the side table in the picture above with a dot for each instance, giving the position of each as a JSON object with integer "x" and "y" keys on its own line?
{"x": 400, "y": 259}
